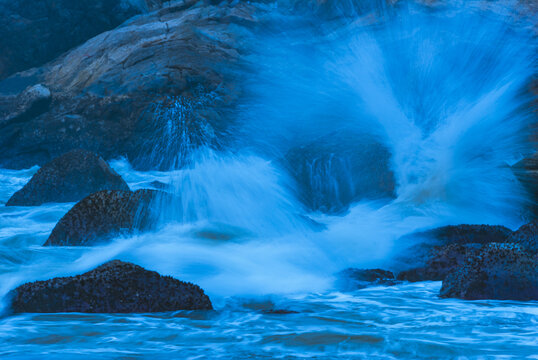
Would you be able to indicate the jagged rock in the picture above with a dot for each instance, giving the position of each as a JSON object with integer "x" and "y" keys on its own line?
{"x": 33, "y": 33}
{"x": 114, "y": 287}
{"x": 68, "y": 178}
{"x": 527, "y": 237}
{"x": 103, "y": 215}
{"x": 354, "y": 279}
{"x": 499, "y": 271}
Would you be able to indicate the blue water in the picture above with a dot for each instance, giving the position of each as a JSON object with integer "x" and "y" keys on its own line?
{"x": 442, "y": 88}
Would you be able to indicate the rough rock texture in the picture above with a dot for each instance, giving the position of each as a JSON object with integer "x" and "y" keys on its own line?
{"x": 499, "y": 271}
{"x": 32, "y": 102}
{"x": 341, "y": 168}
{"x": 103, "y": 215}
{"x": 435, "y": 253}
{"x": 109, "y": 93}
{"x": 68, "y": 178}
{"x": 527, "y": 237}
{"x": 441, "y": 262}
{"x": 35, "y": 32}
{"x": 115, "y": 287}
{"x": 354, "y": 279}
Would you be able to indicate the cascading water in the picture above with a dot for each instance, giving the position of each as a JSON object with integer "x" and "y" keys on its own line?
{"x": 440, "y": 88}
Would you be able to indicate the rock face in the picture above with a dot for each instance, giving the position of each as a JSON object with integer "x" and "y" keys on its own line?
{"x": 33, "y": 33}
{"x": 527, "y": 237}
{"x": 110, "y": 92}
{"x": 115, "y": 287}
{"x": 354, "y": 279}
{"x": 103, "y": 215}
{"x": 69, "y": 178}
{"x": 32, "y": 102}
{"x": 339, "y": 169}
{"x": 499, "y": 271}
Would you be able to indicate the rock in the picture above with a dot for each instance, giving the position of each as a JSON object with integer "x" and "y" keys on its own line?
{"x": 118, "y": 93}
{"x": 527, "y": 237}
{"x": 339, "y": 169}
{"x": 442, "y": 261}
{"x": 435, "y": 253}
{"x": 114, "y": 287}
{"x": 68, "y": 178}
{"x": 33, "y": 33}
{"x": 104, "y": 215}
{"x": 32, "y": 102}
{"x": 499, "y": 271}
{"x": 353, "y": 279}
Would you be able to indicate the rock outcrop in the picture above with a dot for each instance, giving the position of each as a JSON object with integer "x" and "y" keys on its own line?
{"x": 33, "y": 33}
{"x": 103, "y": 215}
{"x": 527, "y": 237}
{"x": 68, "y": 178}
{"x": 115, "y": 287}
{"x": 353, "y": 279}
{"x": 498, "y": 271}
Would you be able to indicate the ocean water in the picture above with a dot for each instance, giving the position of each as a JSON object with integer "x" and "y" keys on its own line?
{"x": 442, "y": 87}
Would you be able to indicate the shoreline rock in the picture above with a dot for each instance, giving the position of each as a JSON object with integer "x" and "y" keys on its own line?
{"x": 68, "y": 178}
{"x": 352, "y": 279}
{"x": 104, "y": 215}
{"x": 114, "y": 287}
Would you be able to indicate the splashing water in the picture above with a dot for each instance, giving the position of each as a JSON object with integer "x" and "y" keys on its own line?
{"x": 442, "y": 87}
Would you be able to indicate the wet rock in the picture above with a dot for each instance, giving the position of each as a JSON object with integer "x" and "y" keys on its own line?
{"x": 32, "y": 102}
{"x": 354, "y": 279}
{"x": 115, "y": 287}
{"x": 33, "y": 33}
{"x": 68, "y": 178}
{"x": 433, "y": 254}
{"x": 499, "y": 271}
{"x": 339, "y": 169}
{"x": 116, "y": 92}
{"x": 527, "y": 237}
{"x": 104, "y": 215}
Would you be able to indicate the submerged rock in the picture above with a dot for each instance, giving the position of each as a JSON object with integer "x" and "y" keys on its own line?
{"x": 498, "y": 271}
{"x": 103, "y": 215}
{"x": 353, "y": 279}
{"x": 68, "y": 178}
{"x": 114, "y": 287}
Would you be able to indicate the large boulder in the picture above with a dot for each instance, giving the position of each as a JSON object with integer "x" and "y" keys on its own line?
{"x": 68, "y": 178}
{"x": 432, "y": 254}
{"x": 123, "y": 92}
{"x": 104, "y": 215}
{"x": 499, "y": 271}
{"x": 115, "y": 287}
{"x": 35, "y": 32}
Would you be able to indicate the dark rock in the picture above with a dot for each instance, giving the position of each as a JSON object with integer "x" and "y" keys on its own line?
{"x": 103, "y": 215}
{"x": 353, "y": 279}
{"x": 124, "y": 104}
{"x": 115, "y": 287}
{"x": 499, "y": 271}
{"x": 33, "y": 33}
{"x": 432, "y": 254}
{"x": 527, "y": 237}
{"x": 339, "y": 169}
{"x": 68, "y": 178}
{"x": 32, "y": 102}
{"x": 442, "y": 261}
